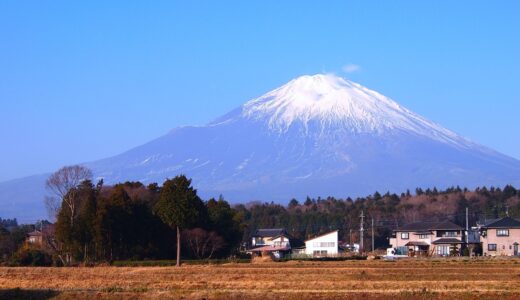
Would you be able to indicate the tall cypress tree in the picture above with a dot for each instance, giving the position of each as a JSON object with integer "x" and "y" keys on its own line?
{"x": 178, "y": 206}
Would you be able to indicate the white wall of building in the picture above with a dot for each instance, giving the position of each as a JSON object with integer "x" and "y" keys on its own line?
{"x": 323, "y": 245}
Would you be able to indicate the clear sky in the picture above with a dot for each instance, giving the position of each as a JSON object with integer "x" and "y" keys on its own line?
{"x": 84, "y": 80}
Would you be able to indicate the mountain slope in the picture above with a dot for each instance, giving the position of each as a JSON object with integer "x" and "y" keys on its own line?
{"x": 317, "y": 135}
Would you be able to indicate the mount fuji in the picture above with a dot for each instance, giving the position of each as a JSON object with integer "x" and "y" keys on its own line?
{"x": 317, "y": 135}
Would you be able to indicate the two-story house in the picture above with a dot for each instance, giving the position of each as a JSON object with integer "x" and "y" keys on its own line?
{"x": 500, "y": 237}
{"x": 323, "y": 245}
{"x": 428, "y": 238}
{"x": 34, "y": 238}
{"x": 276, "y": 242}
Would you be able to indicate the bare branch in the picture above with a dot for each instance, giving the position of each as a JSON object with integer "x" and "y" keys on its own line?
{"x": 63, "y": 184}
{"x": 203, "y": 243}
{"x": 52, "y": 204}
{"x": 67, "y": 178}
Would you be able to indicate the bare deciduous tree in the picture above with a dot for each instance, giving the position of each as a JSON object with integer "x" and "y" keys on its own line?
{"x": 52, "y": 204}
{"x": 62, "y": 184}
{"x": 203, "y": 243}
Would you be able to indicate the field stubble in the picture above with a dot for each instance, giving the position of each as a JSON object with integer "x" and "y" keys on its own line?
{"x": 410, "y": 279}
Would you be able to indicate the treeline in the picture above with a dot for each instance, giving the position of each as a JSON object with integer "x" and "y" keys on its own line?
{"x": 8, "y": 223}
{"x": 386, "y": 212}
{"x": 130, "y": 221}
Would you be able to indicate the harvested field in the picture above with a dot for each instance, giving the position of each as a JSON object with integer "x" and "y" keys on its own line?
{"x": 410, "y": 279}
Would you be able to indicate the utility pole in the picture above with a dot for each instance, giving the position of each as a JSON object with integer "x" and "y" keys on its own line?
{"x": 467, "y": 227}
{"x": 361, "y": 229}
{"x": 372, "y": 234}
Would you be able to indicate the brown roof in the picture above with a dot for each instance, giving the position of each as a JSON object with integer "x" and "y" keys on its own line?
{"x": 35, "y": 233}
{"x": 416, "y": 243}
{"x": 269, "y": 249}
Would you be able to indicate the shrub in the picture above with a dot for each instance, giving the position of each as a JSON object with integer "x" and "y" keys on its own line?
{"x": 31, "y": 257}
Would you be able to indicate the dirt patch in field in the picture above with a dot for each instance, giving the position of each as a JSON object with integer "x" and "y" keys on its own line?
{"x": 261, "y": 259}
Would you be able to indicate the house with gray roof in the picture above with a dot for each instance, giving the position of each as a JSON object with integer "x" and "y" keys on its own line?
{"x": 273, "y": 241}
{"x": 442, "y": 238}
{"x": 500, "y": 237}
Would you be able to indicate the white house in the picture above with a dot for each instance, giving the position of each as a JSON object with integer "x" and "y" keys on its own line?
{"x": 323, "y": 245}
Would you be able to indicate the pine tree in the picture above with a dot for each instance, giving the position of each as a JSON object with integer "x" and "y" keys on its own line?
{"x": 293, "y": 203}
{"x": 178, "y": 206}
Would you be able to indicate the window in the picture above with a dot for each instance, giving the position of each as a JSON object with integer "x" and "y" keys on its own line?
{"x": 502, "y": 232}
{"x": 324, "y": 244}
{"x": 423, "y": 236}
{"x": 281, "y": 244}
{"x": 443, "y": 250}
{"x": 450, "y": 234}
{"x": 405, "y": 235}
{"x": 492, "y": 247}
{"x": 319, "y": 252}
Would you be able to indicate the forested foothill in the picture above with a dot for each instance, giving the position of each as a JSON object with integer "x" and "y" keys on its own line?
{"x": 96, "y": 223}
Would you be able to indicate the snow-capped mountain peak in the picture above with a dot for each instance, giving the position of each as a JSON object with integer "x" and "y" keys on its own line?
{"x": 327, "y": 100}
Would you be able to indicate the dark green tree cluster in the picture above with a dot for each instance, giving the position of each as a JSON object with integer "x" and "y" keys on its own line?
{"x": 109, "y": 224}
{"x": 131, "y": 221}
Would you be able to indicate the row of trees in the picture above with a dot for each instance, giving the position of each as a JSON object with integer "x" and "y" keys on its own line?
{"x": 96, "y": 222}
{"x": 131, "y": 221}
{"x": 208, "y": 226}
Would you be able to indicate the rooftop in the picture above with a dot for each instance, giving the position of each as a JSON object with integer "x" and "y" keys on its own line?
{"x": 270, "y": 249}
{"x": 272, "y": 232}
{"x": 506, "y": 222}
{"x": 448, "y": 241}
{"x": 313, "y": 238}
{"x": 35, "y": 233}
{"x": 425, "y": 226}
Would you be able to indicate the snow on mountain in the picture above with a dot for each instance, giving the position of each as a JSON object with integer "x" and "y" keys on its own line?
{"x": 332, "y": 101}
{"x": 317, "y": 135}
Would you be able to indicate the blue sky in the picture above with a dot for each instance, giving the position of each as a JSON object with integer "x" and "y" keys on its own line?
{"x": 80, "y": 81}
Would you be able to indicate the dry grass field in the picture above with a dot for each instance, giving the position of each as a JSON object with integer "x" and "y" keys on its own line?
{"x": 410, "y": 279}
